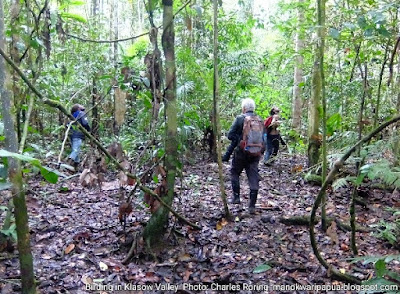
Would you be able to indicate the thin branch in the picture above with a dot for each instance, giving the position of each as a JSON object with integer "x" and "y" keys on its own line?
{"x": 392, "y": 60}
{"x": 63, "y": 143}
{"x": 105, "y": 41}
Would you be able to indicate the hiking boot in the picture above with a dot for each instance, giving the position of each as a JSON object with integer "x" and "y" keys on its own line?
{"x": 70, "y": 162}
{"x": 236, "y": 193}
{"x": 236, "y": 199}
{"x": 76, "y": 166}
{"x": 253, "y": 200}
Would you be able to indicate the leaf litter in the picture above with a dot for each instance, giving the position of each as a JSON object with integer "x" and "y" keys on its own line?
{"x": 77, "y": 239}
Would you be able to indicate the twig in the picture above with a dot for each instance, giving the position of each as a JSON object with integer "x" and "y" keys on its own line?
{"x": 11, "y": 281}
{"x": 133, "y": 248}
{"x": 70, "y": 177}
{"x": 106, "y": 41}
{"x": 63, "y": 144}
{"x": 391, "y": 62}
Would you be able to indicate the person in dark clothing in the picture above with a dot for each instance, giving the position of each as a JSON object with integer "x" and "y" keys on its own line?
{"x": 77, "y": 137}
{"x": 230, "y": 149}
{"x": 241, "y": 161}
{"x": 273, "y": 136}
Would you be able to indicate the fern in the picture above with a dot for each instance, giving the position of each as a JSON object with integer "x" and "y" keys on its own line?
{"x": 340, "y": 183}
{"x": 383, "y": 171}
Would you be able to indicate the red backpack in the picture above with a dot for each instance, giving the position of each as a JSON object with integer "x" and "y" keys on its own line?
{"x": 253, "y": 130}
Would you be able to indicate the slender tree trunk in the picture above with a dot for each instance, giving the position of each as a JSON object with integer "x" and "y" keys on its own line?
{"x": 216, "y": 126}
{"x": 378, "y": 97}
{"x": 95, "y": 111}
{"x": 95, "y": 8}
{"x": 15, "y": 175}
{"x": 155, "y": 228}
{"x": 15, "y": 39}
{"x": 114, "y": 33}
{"x": 361, "y": 113}
{"x": 298, "y": 71}
{"x": 321, "y": 33}
{"x": 314, "y": 108}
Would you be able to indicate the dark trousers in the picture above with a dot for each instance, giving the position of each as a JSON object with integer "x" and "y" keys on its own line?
{"x": 241, "y": 162}
{"x": 272, "y": 147}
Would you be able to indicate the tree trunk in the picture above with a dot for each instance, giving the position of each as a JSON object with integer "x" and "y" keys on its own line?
{"x": 216, "y": 126}
{"x": 14, "y": 52}
{"x": 156, "y": 226}
{"x": 15, "y": 175}
{"x": 95, "y": 111}
{"x": 95, "y": 8}
{"x": 298, "y": 71}
{"x": 321, "y": 37}
{"x": 114, "y": 26}
{"x": 378, "y": 97}
{"x": 314, "y": 115}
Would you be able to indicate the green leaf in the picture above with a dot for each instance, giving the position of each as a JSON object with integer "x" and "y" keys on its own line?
{"x": 5, "y": 153}
{"x": 379, "y": 282}
{"x": 105, "y": 77}
{"x": 361, "y": 21}
{"x": 73, "y": 16}
{"x": 147, "y": 102}
{"x": 261, "y": 268}
{"x": 384, "y": 32}
{"x": 155, "y": 179}
{"x": 72, "y": 3}
{"x": 334, "y": 33}
{"x": 63, "y": 189}
{"x": 333, "y": 123}
{"x": 5, "y": 186}
{"x": 372, "y": 259}
{"x": 359, "y": 179}
{"x": 380, "y": 268}
{"x": 350, "y": 26}
{"x": 11, "y": 231}
{"x": 145, "y": 81}
{"x": 49, "y": 175}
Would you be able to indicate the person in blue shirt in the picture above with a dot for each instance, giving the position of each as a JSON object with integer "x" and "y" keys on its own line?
{"x": 77, "y": 137}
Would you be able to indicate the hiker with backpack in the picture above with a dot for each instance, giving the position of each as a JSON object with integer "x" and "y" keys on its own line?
{"x": 247, "y": 131}
{"x": 77, "y": 137}
{"x": 273, "y": 136}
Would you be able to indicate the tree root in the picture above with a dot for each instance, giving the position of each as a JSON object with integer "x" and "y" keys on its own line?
{"x": 134, "y": 248}
{"x": 304, "y": 220}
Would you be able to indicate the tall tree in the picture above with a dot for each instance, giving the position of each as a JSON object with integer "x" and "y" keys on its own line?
{"x": 15, "y": 175}
{"x": 314, "y": 138}
{"x": 298, "y": 70}
{"x": 156, "y": 226}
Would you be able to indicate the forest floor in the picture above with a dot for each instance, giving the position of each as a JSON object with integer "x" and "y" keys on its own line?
{"x": 78, "y": 242}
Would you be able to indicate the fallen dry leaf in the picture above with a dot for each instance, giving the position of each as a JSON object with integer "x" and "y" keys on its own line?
{"x": 103, "y": 266}
{"x": 69, "y": 248}
{"x": 332, "y": 233}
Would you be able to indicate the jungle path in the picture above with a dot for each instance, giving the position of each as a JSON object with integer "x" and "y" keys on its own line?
{"x": 77, "y": 239}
